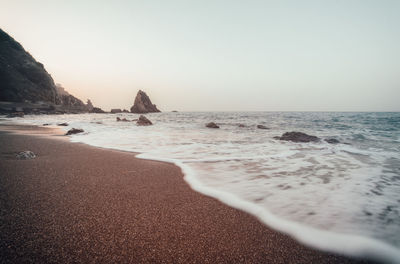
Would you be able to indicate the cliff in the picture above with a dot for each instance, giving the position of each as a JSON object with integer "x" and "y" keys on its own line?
{"x": 143, "y": 104}
{"x": 25, "y": 83}
{"x": 22, "y": 78}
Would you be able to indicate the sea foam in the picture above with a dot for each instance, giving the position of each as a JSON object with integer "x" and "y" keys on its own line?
{"x": 341, "y": 198}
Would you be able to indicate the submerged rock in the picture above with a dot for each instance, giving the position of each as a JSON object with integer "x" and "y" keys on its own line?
{"x": 27, "y": 154}
{"x": 63, "y": 124}
{"x": 332, "y": 141}
{"x": 123, "y": 119}
{"x": 262, "y": 127}
{"x": 74, "y": 131}
{"x": 143, "y": 121}
{"x": 298, "y": 137}
{"x": 241, "y": 125}
{"x": 212, "y": 125}
{"x": 143, "y": 104}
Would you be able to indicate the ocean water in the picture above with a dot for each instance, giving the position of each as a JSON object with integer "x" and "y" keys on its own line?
{"x": 342, "y": 197}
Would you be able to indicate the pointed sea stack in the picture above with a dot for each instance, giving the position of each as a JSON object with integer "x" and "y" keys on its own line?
{"x": 143, "y": 104}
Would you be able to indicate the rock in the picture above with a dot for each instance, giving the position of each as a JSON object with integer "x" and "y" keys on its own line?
{"x": 332, "y": 141}
{"x": 241, "y": 125}
{"x": 118, "y": 119}
{"x": 298, "y": 137}
{"x": 68, "y": 102}
{"x": 143, "y": 121}
{"x": 116, "y": 110}
{"x": 15, "y": 114}
{"x": 123, "y": 119}
{"x": 45, "y": 124}
{"x": 74, "y": 131}
{"x": 212, "y": 125}
{"x": 262, "y": 127}
{"x": 97, "y": 110}
{"x": 89, "y": 105}
{"x": 143, "y": 104}
{"x": 27, "y": 154}
{"x": 63, "y": 124}
{"x": 174, "y": 111}
{"x": 125, "y": 111}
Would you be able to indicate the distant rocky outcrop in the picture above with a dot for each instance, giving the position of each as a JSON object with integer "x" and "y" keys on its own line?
{"x": 89, "y": 105}
{"x": 262, "y": 127}
{"x": 68, "y": 101}
{"x": 143, "y": 104}
{"x": 298, "y": 137}
{"x": 143, "y": 121}
{"x": 97, "y": 110}
{"x": 212, "y": 125}
{"x": 115, "y": 111}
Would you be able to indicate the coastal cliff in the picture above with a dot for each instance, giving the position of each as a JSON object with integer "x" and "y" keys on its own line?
{"x": 26, "y": 86}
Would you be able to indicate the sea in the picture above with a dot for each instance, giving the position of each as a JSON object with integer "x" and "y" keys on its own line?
{"x": 342, "y": 198}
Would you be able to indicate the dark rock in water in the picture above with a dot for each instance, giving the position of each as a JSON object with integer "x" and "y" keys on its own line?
{"x": 212, "y": 125}
{"x": 97, "y": 110}
{"x": 115, "y": 111}
{"x": 16, "y": 114}
{"x": 74, "y": 131}
{"x": 125, "y": 111}
{"x": 63, "y": 124}
{"x": 143, "y": 121}
{"x": 174, "y": 111}
{"x": 27, "y": 154}
{"x": 46, "y": 124}
{"x": 297, "y": 137}
{"x": 123, "y": 119}
{"x": 241, "y": 125}
{"x": 262, "y": 127}
{"x": 143, "y": 104}
{"x": 332, "y": 141}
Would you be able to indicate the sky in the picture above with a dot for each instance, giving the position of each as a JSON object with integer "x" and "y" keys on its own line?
{"x": 341, "y": 55}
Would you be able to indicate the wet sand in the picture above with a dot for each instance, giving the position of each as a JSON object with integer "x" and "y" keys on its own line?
{"x": 76, "y": 203}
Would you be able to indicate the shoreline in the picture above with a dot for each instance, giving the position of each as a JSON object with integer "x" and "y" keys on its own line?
{"x": 252, "y": 241}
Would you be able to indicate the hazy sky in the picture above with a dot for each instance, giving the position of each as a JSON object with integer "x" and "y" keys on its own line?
{"x": 217, "y": 55}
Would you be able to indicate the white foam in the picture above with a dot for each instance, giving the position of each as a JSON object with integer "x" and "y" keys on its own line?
{"x": 317, "y": 193}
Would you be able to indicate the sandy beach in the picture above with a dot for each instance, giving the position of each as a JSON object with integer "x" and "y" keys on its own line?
{"x": 76, "y": 203}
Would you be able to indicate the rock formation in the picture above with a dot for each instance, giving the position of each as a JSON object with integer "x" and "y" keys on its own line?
{"x": 212, "y": 125}
{"x": 143, "y": 121}
{"x": 89, "y": 105}
{"x": 27, "y": 154}
{"x": 115, "y": 110}
{"x": 143, "y": 104}
{"x": 74, "y": 131}
{"x": 298, "y": 137}
{"x": 262, "y": 127}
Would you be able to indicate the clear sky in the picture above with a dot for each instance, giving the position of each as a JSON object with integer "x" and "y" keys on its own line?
{"x": 217, "y": 55}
